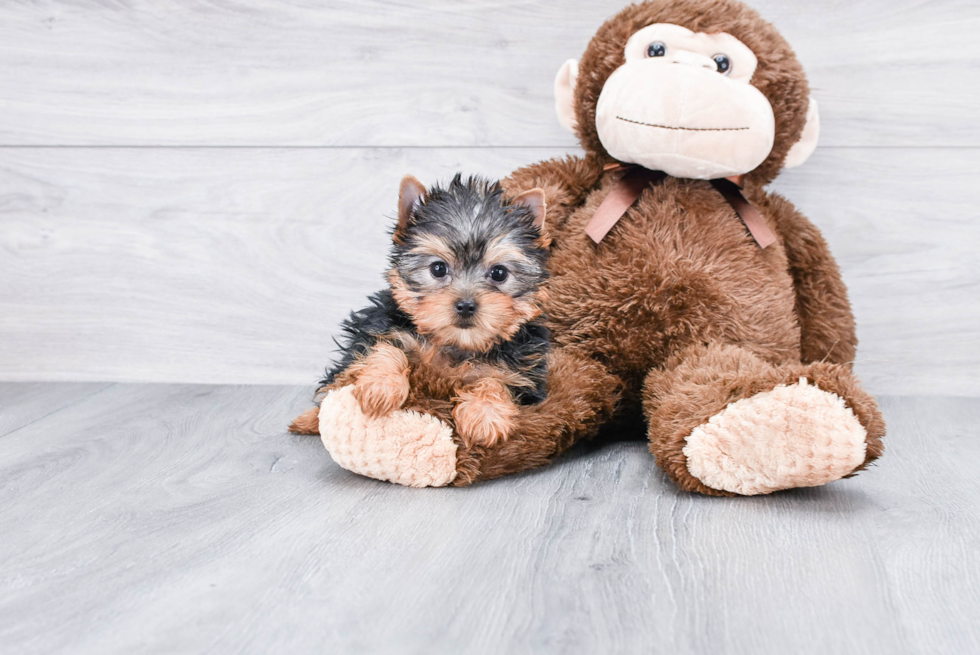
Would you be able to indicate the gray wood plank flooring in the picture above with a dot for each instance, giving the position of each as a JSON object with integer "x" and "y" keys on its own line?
{"x": 182, "y": 518}
{"x": 22, "y": 404}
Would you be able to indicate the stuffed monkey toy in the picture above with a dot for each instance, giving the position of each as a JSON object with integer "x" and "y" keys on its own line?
{"x": 685, "y": 301}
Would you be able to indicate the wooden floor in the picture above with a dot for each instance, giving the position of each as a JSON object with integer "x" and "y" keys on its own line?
{"x": 183, "y": 519}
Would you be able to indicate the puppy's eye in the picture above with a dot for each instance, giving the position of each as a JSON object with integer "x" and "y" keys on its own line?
{"x": 656, "y": 49}
{"x": 723, "y": 63}
{"x": 438, "y": 269}
{"x": 498, "y": 273}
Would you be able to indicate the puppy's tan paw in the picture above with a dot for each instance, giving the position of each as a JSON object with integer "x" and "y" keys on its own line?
{"x": 485, "y": 413}
{"x": 382, "y": 381}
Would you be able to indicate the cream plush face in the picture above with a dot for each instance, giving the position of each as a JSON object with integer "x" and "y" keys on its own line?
{"x": 682, "y": 103}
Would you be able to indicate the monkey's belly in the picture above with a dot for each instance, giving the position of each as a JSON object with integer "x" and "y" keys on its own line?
{"x": 652, "y": 288}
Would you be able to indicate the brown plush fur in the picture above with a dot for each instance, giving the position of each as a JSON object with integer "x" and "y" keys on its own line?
{"x": 699, "y": 382}
{"x": 677, "y": 312}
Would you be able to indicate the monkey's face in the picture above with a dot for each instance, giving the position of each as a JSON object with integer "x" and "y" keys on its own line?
{"x": 467, "y": 267}
{"x": 682, "y": 103}
{"x": 699, "y": 89}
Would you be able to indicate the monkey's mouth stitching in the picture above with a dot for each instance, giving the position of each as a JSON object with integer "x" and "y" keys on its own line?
{"x": 688, "y": 129}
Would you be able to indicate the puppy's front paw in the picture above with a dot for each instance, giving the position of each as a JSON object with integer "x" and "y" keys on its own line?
{"x": 485, "y": 413}
{"x": 382, "y": 384}
{"x": 381, "y": 395}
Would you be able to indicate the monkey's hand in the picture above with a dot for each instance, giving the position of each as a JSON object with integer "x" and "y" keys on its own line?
{"x": 485, "y": 413}
{"x": 381, "y": 385}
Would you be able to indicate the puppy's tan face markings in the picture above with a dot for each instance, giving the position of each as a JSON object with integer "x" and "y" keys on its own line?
{"x": 467, "y": 267}
{"x": 495, "y": 284}
{"x": 407, "y": 299}
{"x": 429, "y": 246}
{"x": 502, "y": 251}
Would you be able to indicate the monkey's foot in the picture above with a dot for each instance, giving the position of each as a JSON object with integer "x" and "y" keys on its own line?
{"x": 793, "y": 436}
{"x": 404, "y": 447}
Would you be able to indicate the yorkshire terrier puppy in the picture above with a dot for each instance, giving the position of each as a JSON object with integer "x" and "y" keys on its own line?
{"x": 458, "y": 319}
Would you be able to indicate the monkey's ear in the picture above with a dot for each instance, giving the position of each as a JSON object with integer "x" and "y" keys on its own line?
{"x": 565, "y": 94}
{"x": 535, "y": 201}
{"x": 803, "y": 148}
{"x": 410, "y": 193}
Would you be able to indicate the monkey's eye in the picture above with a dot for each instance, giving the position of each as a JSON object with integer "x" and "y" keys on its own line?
{"x": 656, "y": 49}
{"x": 498, "y": 273}
{"x": 438, "y": 269}
{"x": 723, "y": 63}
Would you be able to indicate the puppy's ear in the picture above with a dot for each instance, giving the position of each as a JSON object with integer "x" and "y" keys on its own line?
{"x": 535, "y": 201}
{"x": 410, "y": 193}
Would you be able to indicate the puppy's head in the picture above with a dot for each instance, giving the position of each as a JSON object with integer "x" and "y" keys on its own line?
{"x": 467, "y": 264}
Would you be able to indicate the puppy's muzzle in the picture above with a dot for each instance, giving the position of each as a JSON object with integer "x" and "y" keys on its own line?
{"x": 465, "y": 309}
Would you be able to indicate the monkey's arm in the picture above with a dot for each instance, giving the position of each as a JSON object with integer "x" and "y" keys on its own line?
{"x": 417, "y": 446}
{"x": 826, "y": 321}
{"x": 566, "y": 183}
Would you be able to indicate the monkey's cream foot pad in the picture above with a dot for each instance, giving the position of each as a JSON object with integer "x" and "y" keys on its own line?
{"x": 793, "y": 436}
{"x": 404, "y": 447}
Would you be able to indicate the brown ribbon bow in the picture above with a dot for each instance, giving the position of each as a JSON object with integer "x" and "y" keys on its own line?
{"x": 629, "y": 187}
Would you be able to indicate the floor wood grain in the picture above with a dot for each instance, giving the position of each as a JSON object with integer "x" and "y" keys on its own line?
{"x": 22, "y": 404}
{"x": 237, "y": 265}
{"x": 433, "y": 73}
{"x": 181, "y": 518}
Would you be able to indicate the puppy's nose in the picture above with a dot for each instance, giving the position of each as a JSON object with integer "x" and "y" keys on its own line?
{"x": 466, "y": 307}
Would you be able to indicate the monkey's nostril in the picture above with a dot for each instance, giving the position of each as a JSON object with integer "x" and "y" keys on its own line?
{"x": 466, "y": 307}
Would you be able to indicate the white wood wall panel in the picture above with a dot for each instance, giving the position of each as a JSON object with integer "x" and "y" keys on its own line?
{"x": 236, "y": 265}
{"x": 440, "y": 72}
{"x": 134, "y": 245}
{"x": 231, "y": 265}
